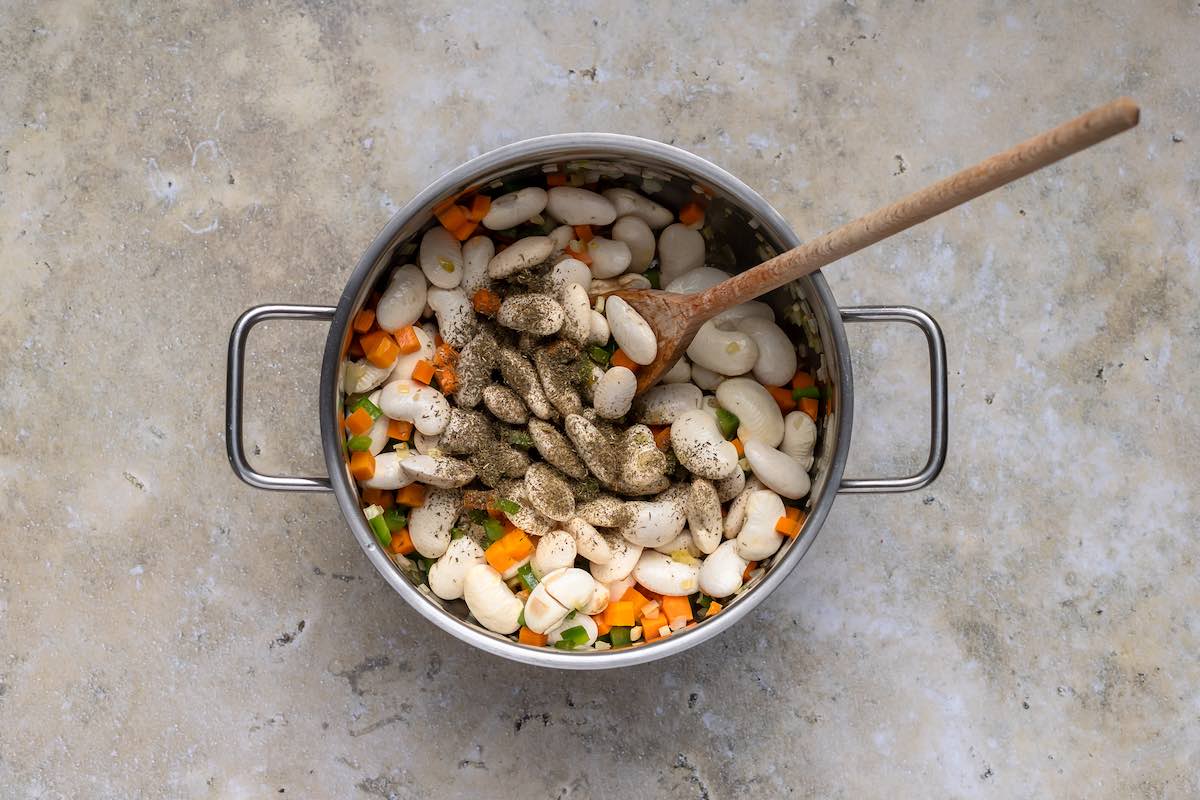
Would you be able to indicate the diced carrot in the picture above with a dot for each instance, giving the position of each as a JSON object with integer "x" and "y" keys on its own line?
{"x": 527, "y": 636}
{"x": 632, "y": 595}
{"x": 620, "y": 614}
{"x": 651, "y": 626}
{"x": 583, "y": 233}
{"x": 691, "y": 213}
{"x": 447, "y": 380}
{"x": 787, "y": 526}
{"x": 619, "y": 359}
{"x": 783, "y": 398}
{"x": 380, "y": 348}
{"x": 662, "y": 438}
{"x": 713, "y": 608}
{"x": 363, "y": 320}
{"x": 412, "y": 495}
{"x": 810, "y": 406}
{"x": 675, "y": 607}
{"x": 507, "y": 526}
{"x": 362, "y": 465}
{"x": 402, "y": 543}
{"x": 749, "y": 568}
{"x": 479, "y": 208}
{"x": 451, "y": 216}
{"x": 355, "y": 350}
{"x": 464, "y": 231}
{"x": 802, "y": 380}
{"x": 379, "y": 497}
{"x": 582, "y": 254}
{"x": 359, "y": 422}
{"x": 407, "y": 341}
{"x": 399, "y": 429}
{"x": 508, "y": 550}
{"x": 444, "y": 356}
{"x": 486, "y": 302}
{"x": 423, "y": 372}
{"x": 737, "y": 445}
{"x": 791, "y": 512}
{"x": 556, "y": 179}
{"x": 602, "y": 626}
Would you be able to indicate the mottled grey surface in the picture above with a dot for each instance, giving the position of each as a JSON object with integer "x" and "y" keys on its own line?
{"x": 1026, "y": 628}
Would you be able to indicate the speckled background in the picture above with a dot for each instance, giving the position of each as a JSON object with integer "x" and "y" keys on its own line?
{"x": 1026, "y": 628}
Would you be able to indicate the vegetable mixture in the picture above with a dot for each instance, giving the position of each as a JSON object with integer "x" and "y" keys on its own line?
{"x": 501, "y": 456}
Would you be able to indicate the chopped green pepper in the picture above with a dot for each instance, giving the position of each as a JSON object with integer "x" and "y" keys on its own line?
{"x": 457, "y": 533}
{"x": 508, "y": 506}
{"x": 521, "y": 439}
{"x": 362, "y": 442}
{"x": 521, "y": 617}
{"x": 572, "y": 638}
{"x": 493, "y": 529}
{"x": 366, "y": 404}
{"x": 477, "y": 515}
{"x": 728, "y": 423}
{"x": 525, "y": 573}
{"x": 395, "y": 519}
{"x": 655, "y": 278}
{"x": 381, "y": 531}
{"x": 599, "y": 355}
{"x": 806, "y": 391}
{"x": 619, "y": 637}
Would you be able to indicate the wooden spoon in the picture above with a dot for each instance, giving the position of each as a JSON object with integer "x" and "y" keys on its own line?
{"x": 676, "y": 318}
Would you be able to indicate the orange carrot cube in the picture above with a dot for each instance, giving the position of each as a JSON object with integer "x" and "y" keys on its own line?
{"x": 364, "y": 320}
{"x": 412, "y": 495}
{"x": 362, "y": 465}
{"x": 423, "y": 372}
{"x": 399, "y": 429}
{"x": 359, "y": 422}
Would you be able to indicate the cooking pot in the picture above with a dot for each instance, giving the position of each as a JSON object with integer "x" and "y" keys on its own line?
{"x": 753, "y": 231}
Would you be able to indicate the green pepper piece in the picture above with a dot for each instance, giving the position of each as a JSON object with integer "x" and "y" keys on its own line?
{"x": 728, "y": 423}
{"x": 599, "y": 355}
{"x": 457, "y": 533}
{"x": 619, "y": 637}
{"x": 366, "y": 404}
{"x": 358, "y": 443}
{"x": 521, "y": 617}
{"x": 655, "y": 278}
{"x": 477, "y": 515}
{"x": 525, "y": 573}
{"x": 395, "y": 519}
{"x": 493, "y": 529}
{"x": 806, "y": 391}
{"x": 508, "y": 506}
{"x": 521, "y": 439}
{"x": 380, "y": 529}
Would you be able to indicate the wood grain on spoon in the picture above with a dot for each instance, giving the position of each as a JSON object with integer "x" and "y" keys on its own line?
{"x": 676, "y": 318}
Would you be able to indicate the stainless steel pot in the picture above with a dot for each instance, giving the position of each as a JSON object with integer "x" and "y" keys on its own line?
{"x": 754, "y": 231}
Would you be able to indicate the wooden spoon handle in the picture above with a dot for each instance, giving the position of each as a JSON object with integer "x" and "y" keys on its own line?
{"x": 1032, "y": 154}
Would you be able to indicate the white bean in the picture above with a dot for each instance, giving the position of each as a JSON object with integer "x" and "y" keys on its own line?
{"x": 512, "y": 209}
{"x": 610, "y": 258}
{"x": 379, "y": 429}
{"x": 423, "y": 406}
{"x": 579, "y": 620}
{"x": 571, "y": 270}
{"x": 543, "y": 612}
{"x": 749, "y": 309}
{"x": 704, "y": 514}
{"x": 363, "y": 376}
{"x": 721, "y": 348}
{"x": 577, "y": 313}
{"x": 758, "y": 538}
{"x": 429, "y": 524}
{"x": 680, "y": 250}
{"x": 731, "y": 487}
{"x": 680, "y": 372}
{"x": 570, "y": 586}
{"x": 624, "y": 558}
{"x": 613, "y": 393}
{"x": 538, "y": 314}
{"x": 799, "y": 437}
{"x": 757, "y": 412}
{"x": 706, "y": 379}
{"x": 629, "y": 203}
{"x": 403, "y": 299}
{"x": 561, "y": 237}
{"x": 388, "y": 474}
{"x": 588, "y": 541}
{"x": 697, "y": 280}
{"x": 662, "y": 404}
{"x": 407, "y": 361}
{"x": 777, "y": 470}
{"x": 443, "y": 472}
{"x": 599, "y": 601}
{"x": 683, "y": 543}
{"x": 448, "y": 574}
{"x": 633, "y": 334}
{"x": 554, "y": 551}
{"x": 441, "y": 258}
{"x": 737, "y": 509}
{"x": 776, "y": 362}
{"x": 477, "y": 252}
{"x": 617, "y": 589}
{"x": 423, "y": 443}
{"x": 630, "y": 280}
{"x": 664, "y": 575}
{"x": 598, "y": 330}
{"x": 636, "y": 234}
{"x": 576, "y": 206}
{"x": 490, "y": 601}
{"x": 520, "y": 255}
{"x": 455, "y": 315}
{"x": 721, "y": 573}
{"x": 653, "y": 523}
{"x": 698, "y": 444}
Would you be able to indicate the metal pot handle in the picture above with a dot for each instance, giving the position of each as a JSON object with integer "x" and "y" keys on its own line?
{"x": 233, "y": 397}
{"x": 937, "y": 399}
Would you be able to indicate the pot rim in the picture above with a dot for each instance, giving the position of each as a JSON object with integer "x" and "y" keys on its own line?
{"x": 550, "y": 148}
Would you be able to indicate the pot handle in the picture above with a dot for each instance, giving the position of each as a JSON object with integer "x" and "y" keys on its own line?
{"x": 233, "y": 397}
{"x": 937, "y": 399}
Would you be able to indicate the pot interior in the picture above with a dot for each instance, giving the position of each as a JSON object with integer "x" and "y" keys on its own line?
{"x": 743, "y": 230}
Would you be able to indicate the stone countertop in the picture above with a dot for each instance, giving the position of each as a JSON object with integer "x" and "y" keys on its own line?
{"x": 1025, "y": 628}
